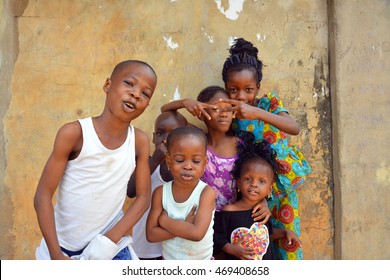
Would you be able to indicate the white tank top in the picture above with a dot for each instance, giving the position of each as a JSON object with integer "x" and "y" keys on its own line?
{"x": 93, "y": 189}
{"x": 179, "y": 248}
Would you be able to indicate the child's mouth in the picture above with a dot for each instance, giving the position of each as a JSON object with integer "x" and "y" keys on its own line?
{"x": 129, "y": 105}
{"x": 187, "y": 176}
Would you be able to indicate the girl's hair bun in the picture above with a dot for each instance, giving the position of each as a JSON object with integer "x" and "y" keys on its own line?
{"x": 243, "y": 46}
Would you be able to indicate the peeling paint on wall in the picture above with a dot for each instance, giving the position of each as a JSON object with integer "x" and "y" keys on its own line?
{"x": 209, "y": 37}
{"x": 231, "y": 40}
{"x": 176, "y": 94}
{"x": 260, "y": 37}
{"x": 170, "y": 43}
{"x": 232, "y": 12}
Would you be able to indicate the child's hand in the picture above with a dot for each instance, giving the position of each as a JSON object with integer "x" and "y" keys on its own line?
{"x": 292, "y": 237}
{"x": 241, "y": 252}
{"x": 160, "y": 152}
{"x": 261, "y": 212}
{"x": 197, "y": 108}
{"x": 242, "y": 110}
{"x": 191, "y": 215}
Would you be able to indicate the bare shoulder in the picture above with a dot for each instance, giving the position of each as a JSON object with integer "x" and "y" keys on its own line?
{"x": 141, "y": 142}
{"x": 72, "y": 129}
{"x": 157, "y": 194}
{"x": 158, "y": 190}
{"x": 71, "y": 134}
{"x": 69, "y": 140}
{"x": 209, "y": 192}
{"x": 140, "y": 136}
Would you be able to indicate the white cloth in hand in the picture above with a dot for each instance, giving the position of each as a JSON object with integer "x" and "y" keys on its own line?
{"x": 100, "y": 248}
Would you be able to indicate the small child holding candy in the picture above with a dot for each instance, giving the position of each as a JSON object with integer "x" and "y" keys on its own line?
{"x": 235, "y": 232}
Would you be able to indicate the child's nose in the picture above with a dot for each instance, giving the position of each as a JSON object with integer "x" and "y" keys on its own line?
{"x": 241, "y": 96}
{"x": 222, "y": 113}
{"x": 135, "y": 94}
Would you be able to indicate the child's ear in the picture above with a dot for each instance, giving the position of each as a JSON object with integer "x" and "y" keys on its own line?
{"x": 168, "y": 161}
{"x": 238, "y": 184}
{"x": 107, "y": 85}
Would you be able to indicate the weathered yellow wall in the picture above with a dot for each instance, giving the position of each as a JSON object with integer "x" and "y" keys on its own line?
{"x": 68, "y": 48}
{"x": 361, "y": 101}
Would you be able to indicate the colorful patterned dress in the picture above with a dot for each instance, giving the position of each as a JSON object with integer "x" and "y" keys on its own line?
{"x": 292, "y": 169}
{"x": 217, "y": 175}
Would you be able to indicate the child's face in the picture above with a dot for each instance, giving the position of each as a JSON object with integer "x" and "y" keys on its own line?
{"x": 163, "y": 126}
{"x": 242, "y": 85}
{"x": 129, "y": 90}
{"x": 256, "y": 178}
{"x": 187, "y": 159}
{"x": 220, "y": 120}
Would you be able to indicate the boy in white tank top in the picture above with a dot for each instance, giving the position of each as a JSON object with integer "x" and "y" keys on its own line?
{"x": 91, "y": 163}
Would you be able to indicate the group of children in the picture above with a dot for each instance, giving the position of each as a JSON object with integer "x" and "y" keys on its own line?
{"x": 221, "y": 194}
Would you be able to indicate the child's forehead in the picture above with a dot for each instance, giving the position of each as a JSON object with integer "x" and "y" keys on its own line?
{"x": 169, "y": 121}
{"x": 255, "y": 163}
{"x": 194, "y": 139}
{"x": 188, "y": 142}
{"x": 217, "y": 96}
{"x": 133, "y": 68}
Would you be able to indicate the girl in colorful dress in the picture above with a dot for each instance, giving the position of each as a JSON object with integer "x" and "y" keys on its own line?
{"x": 267, "y": 119}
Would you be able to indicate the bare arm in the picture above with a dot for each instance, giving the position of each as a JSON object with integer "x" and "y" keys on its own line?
{"x": 281, "y": 121}
{"x": 67, "y": 139}
{"x": 193, "y": 231}
{"x": 142, "y": 184}
{"x": 154, "y": 232}
{"x": 155, "y": 160}
{"x": 194, "y": 107}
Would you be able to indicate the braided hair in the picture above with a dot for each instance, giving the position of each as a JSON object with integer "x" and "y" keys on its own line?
{"x": 248, "y": 151}
{"x": 243, "y": 55}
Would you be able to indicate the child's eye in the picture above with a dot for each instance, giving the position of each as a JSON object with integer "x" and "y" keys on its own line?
{"x": 247, "y": 179}
{"x": 147, "y": 95}
{"x": 232, "y": 90}
{"x": 262, "y": 181}
{"x": 249, "y": 89}
{"x": 129, "y": 83}
{"x": 196, "y": 161}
